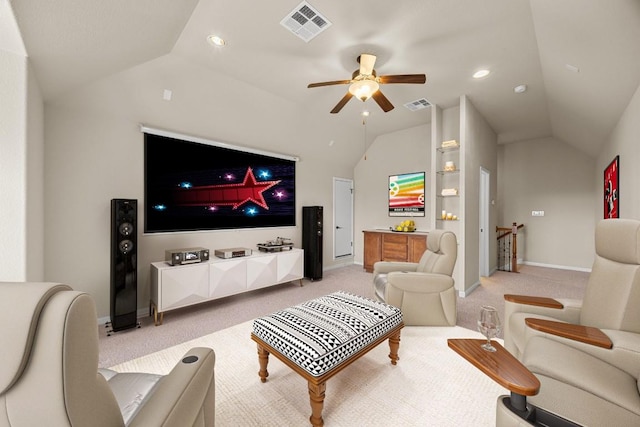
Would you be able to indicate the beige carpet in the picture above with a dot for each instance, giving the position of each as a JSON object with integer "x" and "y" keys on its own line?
{"x": 202, "y": 319}
{"x": 430, "y": 386}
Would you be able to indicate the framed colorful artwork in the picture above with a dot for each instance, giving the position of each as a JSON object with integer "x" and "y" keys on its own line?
{"x": 406, "y": 194}
{"x": 612, "y": 189}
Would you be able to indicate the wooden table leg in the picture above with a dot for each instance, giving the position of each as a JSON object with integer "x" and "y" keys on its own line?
{"x": 394, "y": 344}
{"x": 316, "y": 397}
{"x": 263, "y": 359}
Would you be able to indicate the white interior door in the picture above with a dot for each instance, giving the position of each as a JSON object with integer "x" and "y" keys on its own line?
{"x": 484, "y": 221}
{"x": 342, "y": 217}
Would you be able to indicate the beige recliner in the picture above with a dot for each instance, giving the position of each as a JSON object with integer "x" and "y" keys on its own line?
{"x": 586, "y": 383}
{"x": 424, "y": 291}
{"x": 49, "y": 369}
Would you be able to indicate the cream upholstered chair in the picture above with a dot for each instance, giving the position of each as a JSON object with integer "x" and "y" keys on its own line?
{"x": 585, "y": 383}
{"x": 49, "y": 371}
{"x": 424, "y": 290}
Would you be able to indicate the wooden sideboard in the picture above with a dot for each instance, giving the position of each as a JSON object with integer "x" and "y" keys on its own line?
{"x": 382, "y": 245}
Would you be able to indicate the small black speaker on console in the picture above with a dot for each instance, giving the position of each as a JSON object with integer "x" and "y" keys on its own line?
{"x": 312, "y": 241}
{"x": 124, "y": 280}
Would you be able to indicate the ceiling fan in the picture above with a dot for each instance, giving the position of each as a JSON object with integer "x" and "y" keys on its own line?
{"x": 365, "y": 84}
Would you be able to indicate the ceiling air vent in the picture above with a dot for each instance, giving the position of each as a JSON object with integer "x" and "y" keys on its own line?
{"x": 418, "y": 104}
{"x": 305, "y": 22}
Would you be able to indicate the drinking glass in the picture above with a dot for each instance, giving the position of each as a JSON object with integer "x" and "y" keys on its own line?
{"x": 489, "y": 325}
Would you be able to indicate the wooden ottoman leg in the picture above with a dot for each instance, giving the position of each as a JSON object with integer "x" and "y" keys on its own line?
{"x": 263, "y": 359}
{"x": 316, "y": 397}
{"x": 394, "y": 344}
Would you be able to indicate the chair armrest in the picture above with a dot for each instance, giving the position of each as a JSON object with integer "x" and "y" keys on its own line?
{"x": 517, "y": 308}
{"x": 183, "y": 394}
{"x": 419, "y": 282}
{"x": 585, "y": 334}
{"x": 537, "y": 301}
{"x": 562, "y": 309}
{"x": 624, "y": 353}
{"x": 389, "y": 266}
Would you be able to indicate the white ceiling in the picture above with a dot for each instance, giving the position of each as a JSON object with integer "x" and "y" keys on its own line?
{"x": 71, "y": 43}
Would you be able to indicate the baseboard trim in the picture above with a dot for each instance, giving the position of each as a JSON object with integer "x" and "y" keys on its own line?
{"x": 469, "y": 290}
{"x": 559, "y": 267}
{"x": 346, "y": 262}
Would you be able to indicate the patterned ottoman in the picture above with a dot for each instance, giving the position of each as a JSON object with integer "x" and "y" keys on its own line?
{"x": 320, "y": 337}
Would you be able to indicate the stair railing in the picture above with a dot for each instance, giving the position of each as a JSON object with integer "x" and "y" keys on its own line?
{"x": 508, "y": 247}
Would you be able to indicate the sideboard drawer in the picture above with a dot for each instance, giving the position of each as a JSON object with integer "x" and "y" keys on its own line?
{"x": 394, "y": 247}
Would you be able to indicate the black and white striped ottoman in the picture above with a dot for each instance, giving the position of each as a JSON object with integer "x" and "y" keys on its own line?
{"x": 320, "y": 337}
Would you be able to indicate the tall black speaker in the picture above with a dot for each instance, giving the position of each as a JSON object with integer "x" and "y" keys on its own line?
{"x": 312, "y": 241}
{"x": 124, "y": 280}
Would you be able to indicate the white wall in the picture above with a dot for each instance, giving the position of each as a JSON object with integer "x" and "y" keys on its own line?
{"x": 394, "y": 153}
{"x": 94, "y": 152}
{"x": 625, "y": 142}
{"x": 21, "y": 159}
{"x": 554, "y": 177}
{"x": 568, "y": 185}
{"x": 34, "y": 239}
{"x": 13, "y": 166}
{"x": 480, "y": 144}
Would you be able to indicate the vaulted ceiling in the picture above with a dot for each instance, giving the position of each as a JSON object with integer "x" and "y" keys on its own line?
{"x": 580, "y": 59}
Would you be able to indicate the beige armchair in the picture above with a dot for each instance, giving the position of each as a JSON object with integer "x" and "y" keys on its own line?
{"x": 49, "y": 371}
{"x": 424, "y": 290}
{"x": 586, "y": 353}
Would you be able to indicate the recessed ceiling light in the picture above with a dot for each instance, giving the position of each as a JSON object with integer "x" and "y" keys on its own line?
{"x": 365, "y": 113}
{"x": 216, "y": 40}
{"x": 572, "y": 68}
{"x": 520, "y": 89}
{"x": 481, "y": 73}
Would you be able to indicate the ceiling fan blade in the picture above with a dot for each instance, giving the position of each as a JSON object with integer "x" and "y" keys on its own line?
{"x": 403, "y": 78}
{"x": 367, "y": 61}
{"x": 342, "y": 103}
{"x": 335, "y": 82}
{"x": 382, "y": 101}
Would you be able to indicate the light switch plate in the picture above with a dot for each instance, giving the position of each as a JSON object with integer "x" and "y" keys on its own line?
{"x": 537, "y": 213}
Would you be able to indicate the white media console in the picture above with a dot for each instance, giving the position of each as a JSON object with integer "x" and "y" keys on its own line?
{"x": 179, "y": 286}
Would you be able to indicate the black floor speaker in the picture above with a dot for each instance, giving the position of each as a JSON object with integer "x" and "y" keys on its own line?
{"x": 124, "y": 280}
{"x": 312, "y": 241}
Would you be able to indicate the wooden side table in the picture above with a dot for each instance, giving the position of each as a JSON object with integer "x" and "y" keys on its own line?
{"x": 501, "y": 366}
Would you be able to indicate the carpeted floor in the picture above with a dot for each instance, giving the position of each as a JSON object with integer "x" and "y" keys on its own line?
{"x": 430, "y": 386}
{"x": 203, "y": 319}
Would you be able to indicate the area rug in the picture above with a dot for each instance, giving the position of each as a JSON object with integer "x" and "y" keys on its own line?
{"x": 430, "y": 386}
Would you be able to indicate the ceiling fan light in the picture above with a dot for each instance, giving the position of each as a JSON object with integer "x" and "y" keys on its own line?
{"x": 363, "y": 89}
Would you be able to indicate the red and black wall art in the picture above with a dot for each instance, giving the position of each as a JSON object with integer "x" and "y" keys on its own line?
{"x": 612, "y": 189}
